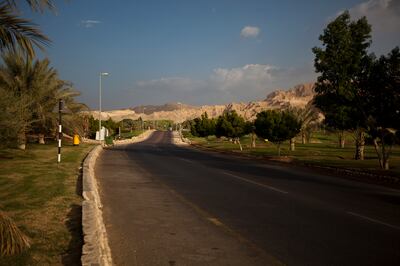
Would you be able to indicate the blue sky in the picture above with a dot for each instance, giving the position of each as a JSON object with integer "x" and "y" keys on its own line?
{"x": 196, "y": 52}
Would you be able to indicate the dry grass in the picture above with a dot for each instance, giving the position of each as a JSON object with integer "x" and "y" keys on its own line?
{"x": 12, "y": 240}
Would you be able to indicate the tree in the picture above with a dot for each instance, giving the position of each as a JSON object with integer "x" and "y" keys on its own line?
{"x": 342, "y": 66}
{"x": 308, "y": 118}
{"x": 13, "y": 117}
{"x": 276, "y": 126}
{"x": 230, "y": 125}
{"x": 249, "y": 128}
{"x": 36, "y": 88}
{"x": 382, "y": 91}
{"x": 203, "y": 126}
{"x": 19, "y": 34}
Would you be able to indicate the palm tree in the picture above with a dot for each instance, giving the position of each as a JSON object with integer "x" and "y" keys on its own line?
{"x": 38, "y": 82}
{"x": 36, "y": 5}
{"x": 308, "y": 117}
{"x": 16, "y": 76}
{"x": 17, "y": 33}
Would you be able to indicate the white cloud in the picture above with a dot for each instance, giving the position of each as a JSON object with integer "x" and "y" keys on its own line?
{"x": 250, "y": 32}
{"x": 248, "y": 83}
{"x": 251, "y": 79}
{"x": 383, "y": 15}
{"x": 89, "y": 23}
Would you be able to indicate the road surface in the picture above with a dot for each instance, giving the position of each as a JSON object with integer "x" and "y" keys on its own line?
{"x": 170, "y": 205}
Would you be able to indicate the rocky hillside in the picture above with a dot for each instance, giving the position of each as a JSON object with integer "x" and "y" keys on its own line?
{"x": 297, "y": 96}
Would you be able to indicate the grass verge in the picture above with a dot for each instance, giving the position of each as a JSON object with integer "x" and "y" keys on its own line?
{"x": 322, "y": 151}
{"x": 44, "y": 200}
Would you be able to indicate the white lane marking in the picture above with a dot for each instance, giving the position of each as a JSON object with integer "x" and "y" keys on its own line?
{"x": 256, "y": 183}
{"x": 373, "y": 220}
{"x": 186, "y": 160}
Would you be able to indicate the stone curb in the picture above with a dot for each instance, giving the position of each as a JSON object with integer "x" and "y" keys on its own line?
{"x": 95, "y": 250}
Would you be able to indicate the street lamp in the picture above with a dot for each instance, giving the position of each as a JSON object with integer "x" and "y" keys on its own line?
{"x": 101, "y": 74}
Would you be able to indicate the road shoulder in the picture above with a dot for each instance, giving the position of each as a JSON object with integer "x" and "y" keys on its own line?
{"x": 149, "y": 224}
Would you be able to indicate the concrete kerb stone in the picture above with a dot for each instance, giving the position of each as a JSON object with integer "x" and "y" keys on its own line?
{"x": 96, "y": 250}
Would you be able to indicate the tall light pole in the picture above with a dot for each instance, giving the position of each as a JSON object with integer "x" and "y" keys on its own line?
{"x": 101, "y": 74}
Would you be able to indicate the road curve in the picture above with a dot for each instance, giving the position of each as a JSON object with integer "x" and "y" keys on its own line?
{"x": 263, "y": 213}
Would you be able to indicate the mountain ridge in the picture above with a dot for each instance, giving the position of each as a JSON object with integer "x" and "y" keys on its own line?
{"x": 297, "y": 96}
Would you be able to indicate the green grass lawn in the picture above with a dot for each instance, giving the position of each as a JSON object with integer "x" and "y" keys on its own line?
{"x": 44, "y": 199}
{"x": 322, "y": 151}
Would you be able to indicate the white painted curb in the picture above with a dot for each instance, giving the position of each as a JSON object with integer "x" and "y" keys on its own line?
{"x": 96, "y": 250}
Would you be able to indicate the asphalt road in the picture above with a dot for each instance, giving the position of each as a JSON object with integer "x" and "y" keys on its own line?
{"x": 294, "y": 215}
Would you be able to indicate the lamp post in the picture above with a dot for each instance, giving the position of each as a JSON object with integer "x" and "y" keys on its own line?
{"x": 101, "y": 74}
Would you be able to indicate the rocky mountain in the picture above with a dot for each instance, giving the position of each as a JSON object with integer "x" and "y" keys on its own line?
{"x": 297, "y": 96}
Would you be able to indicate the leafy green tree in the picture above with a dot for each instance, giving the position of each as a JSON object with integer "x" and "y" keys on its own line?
{"x": 201, "y": 126}
{"x": 276, "y": 126}
{"x": 382, "y": 90}
{"x": 193, "y": 126}
{"x": 231, "y": 125}
{"x": 342, "y": 64}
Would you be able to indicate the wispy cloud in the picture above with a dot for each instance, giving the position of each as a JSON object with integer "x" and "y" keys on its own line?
{"x": 89, "y": 23}
{"x": 246, "y": 83}
{"x": 250, "y": 32}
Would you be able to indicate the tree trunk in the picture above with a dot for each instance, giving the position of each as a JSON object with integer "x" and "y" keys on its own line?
{"x": 360, "y": 145}
{"x": 279, "y": 149}
{"x": 303, "y": 137}
{"x": 253, "y": 140}
{"x": 308, "y": 136}
{"x": 292, "y": 144}
{"x": 41, "y": 139}
{"x": 240, "y": 145}
{"x": 22, "y": 140}
{"x": 378, "y": 152}
{"x": 383, "y": 155}
{"x": 341, "y": 139}
{"x": 386, "y": 164}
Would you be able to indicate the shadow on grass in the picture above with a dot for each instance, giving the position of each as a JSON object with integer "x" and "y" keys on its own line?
{"x": 74, "y": 225}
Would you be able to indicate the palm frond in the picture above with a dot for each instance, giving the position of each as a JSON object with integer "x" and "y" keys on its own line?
{"x": 35, "y": 5}
{"x": 17, "y": 33}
